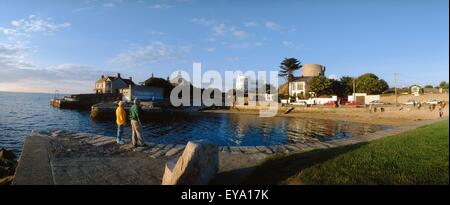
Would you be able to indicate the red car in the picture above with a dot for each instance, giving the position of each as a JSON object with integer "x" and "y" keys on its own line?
{"x": 330, "y": 103}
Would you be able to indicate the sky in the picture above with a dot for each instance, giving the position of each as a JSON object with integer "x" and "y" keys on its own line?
{"x": 66, "y": 45}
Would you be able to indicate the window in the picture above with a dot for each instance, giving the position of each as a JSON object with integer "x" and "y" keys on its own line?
{"x": 299, "y": 86}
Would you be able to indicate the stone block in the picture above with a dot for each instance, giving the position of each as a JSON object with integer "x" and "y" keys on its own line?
{"x": 196, "y": 166}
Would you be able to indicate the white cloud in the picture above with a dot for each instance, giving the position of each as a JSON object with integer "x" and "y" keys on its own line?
{"x": 202, "y": 21}
{"x": 239, "y": 45}
{"x": 109, "y": 5}
{"x": 67, "y": 78}
{"x": 251, "y": 24}
{"x": 271, "y": 25}
{"x": 288, "y": 43}
{"x": 157, "y": 33}
{"x": 160, "y": 6}
{"x": 259, "y": 44}
{"x": 238, "y": 33}
{"x": 333, "y": 77}
{"x": 220, "y": 29}
{"x": 154, "y": 52}
{"x": 33, "y": 24}
{"x": 23, "y": 76}
{"x": 211, "y": 49}
{"x": 12, "y": 56}
{"x": 82, "y": 9}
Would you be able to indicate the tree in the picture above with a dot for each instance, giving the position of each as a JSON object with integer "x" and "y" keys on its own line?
{"x": 370, "y": 83}
{"x": 428, "y": 86}
{"x": 321, "y": 85}
{"x": 443, "y": 85}
{"x": 287, "y": 68}
{"x": 346, "y": 83}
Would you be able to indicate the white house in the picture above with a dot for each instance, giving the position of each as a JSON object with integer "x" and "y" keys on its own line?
{"x": 300, "y": 85}
{"x": 112, "y": 84}
{"x": 363, "y": 98}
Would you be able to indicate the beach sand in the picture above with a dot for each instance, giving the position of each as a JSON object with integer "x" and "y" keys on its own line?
{"x": 391, "y": 116}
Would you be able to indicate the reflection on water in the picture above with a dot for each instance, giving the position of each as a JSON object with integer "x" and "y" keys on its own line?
{"x": 20, "y": 113}
{"x": 246, "y": 130}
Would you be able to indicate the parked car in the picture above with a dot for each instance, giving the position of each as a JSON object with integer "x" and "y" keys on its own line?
{"x": 376, "y": 102}
{"x": 434, "y": 101}
{"x": 411, "y": 102}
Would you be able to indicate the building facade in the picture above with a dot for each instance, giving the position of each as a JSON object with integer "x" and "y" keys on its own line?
{"x": 299, "y": 86}
{"x": 144, "y": 93}
{"x": 112, "y": 84}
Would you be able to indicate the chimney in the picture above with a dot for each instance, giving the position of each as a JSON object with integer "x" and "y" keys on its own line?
{"x": 131, "y": 78}
{"x": 103, "y": 76}
{"x": 118, "y": 75}
{"x": 152, "y": 75}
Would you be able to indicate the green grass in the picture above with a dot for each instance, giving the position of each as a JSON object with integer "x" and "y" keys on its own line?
{"x": 419, "y": 156}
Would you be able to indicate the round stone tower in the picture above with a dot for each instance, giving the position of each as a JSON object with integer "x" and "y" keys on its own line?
{"x": 311, "y": 70}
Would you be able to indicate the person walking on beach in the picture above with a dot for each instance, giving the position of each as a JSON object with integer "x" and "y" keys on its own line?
{"x": 136, "y": 126}
{"x": 121, "y": 121}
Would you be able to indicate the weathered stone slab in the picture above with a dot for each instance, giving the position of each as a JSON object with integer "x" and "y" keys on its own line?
{"x": 259, "y": 156}
{"x": 291, "y": 148}
{"x": 264, "y": 149}
{"x": 79, "y": 136}
{"x": 279, "y": 149}
{"x": 249, "y": 149}
{"x": 34, "y": 163}
{"x": 105, "y": 142}
{"x": 175, "y": 150}
{"x": 235, "y": 150}
{"x": 197, "y": 165}
{"x": 162, "y": 151}
{"x": 328, "y": 145}
{"x": 155, "y": 148}
{"x": 302, "y": 146}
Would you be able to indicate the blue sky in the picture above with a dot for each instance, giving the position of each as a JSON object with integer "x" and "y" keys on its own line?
{"x": 66, "y": 45}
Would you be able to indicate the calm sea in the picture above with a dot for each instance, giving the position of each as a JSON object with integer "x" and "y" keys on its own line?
{"x": 22, "y": 112}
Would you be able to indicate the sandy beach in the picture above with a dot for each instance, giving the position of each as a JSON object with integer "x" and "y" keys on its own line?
{"x": 391, "y": 116}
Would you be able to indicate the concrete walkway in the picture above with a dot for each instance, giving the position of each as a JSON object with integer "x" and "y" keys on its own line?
{"x": 63, "y": 158}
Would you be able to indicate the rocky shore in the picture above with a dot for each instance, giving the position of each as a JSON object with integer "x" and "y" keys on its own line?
{"x": 8, "y": 165}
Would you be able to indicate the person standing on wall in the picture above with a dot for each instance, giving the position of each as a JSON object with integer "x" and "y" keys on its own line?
{"x": 121, "y": 121}
{"x": 137, "y": 138}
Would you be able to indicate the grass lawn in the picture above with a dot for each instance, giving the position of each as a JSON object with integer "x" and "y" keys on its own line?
{"x": 419, "y": 156}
